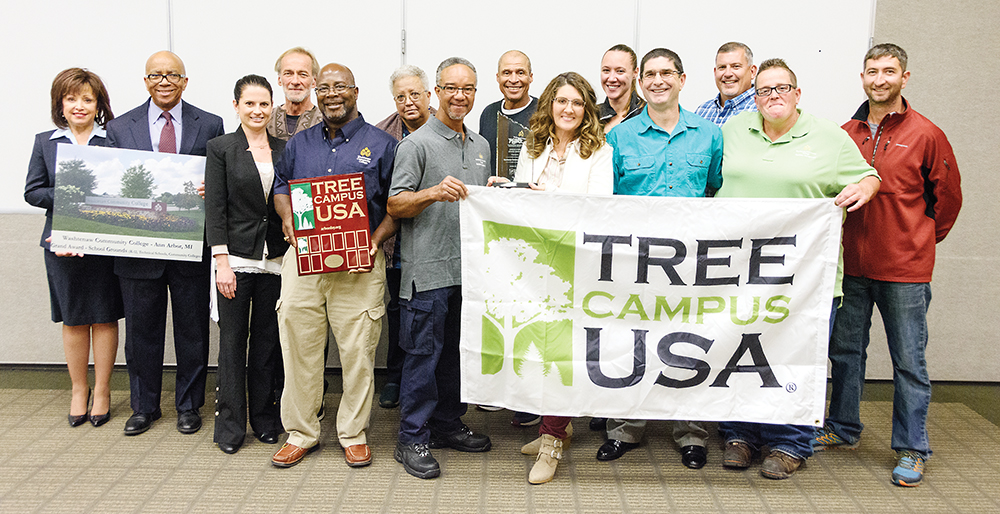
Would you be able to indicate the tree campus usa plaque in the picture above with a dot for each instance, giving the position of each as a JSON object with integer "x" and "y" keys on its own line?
{"x": 330, "y": 220}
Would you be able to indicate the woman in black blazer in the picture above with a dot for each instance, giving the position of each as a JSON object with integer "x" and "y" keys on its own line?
{"x": 83, "y": 290}
{"x": 244, "y": 232}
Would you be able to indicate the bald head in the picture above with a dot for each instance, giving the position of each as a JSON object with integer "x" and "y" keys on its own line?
{"x": 338, "y": 68}
{"x": 337, "y": 95}
{"x": 169, "y": 81}
{"x": 164, "y": 57}
{"x": 514, "y": 77}
{"x": 514, "y": 55}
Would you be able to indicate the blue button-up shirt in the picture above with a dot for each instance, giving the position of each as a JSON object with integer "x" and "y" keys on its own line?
{"x": 356, "y": 147}
{"x": 712, "y": 111}
{"x": 649, "y": 161}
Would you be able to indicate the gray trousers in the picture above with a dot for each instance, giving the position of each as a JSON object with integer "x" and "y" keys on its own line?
{"x": 686, "y": 433}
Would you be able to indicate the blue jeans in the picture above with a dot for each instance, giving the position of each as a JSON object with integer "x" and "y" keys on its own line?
{"x": 795, "y": 440}
{"x": 903, "y": 308}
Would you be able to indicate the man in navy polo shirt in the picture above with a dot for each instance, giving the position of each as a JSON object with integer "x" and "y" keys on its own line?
{"x": 349, "y": 303}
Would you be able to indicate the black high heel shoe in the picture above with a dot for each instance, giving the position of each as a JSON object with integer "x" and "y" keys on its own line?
{"x": 100, "y": 419}
{"x": 75, "y": 421}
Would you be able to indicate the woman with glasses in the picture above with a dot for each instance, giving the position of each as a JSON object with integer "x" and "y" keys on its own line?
{"x": 83, "y": 290}
{"x": 619, "y": 68}
{"x": 567, "y": 153}
{"x": 244, "y": 232}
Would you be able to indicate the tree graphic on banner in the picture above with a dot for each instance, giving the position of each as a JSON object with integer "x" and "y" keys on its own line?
{"x": 528, "y": 301}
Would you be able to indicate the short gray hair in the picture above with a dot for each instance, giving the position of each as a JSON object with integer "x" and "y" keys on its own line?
{"x": 408, "y": 70}
{"x": 733, "y": 46}
{"x": 451, "y": 61}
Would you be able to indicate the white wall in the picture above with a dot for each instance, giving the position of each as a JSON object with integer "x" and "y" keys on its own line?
{"x": 222, "y": 41}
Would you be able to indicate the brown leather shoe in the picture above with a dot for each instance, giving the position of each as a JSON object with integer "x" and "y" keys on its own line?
{"x": 358, "y": 455}
{"x": 737, "y": 455}
{"x": 779, "y": 465}
{"x": 290, "y": 455}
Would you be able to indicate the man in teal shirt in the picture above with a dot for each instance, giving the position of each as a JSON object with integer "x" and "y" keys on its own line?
{"x": 665, "y": 151}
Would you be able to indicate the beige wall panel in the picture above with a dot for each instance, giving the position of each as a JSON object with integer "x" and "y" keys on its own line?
{"x": 946, "y": 44}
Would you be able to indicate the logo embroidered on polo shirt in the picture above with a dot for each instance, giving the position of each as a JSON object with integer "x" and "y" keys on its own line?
{"x": 481, "y": 161}
{"x": 806, "y": 152}
{"x": 365, "y": 156}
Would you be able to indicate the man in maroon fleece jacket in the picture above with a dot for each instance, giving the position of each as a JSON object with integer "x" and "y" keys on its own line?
{"x": 888, "y": 260}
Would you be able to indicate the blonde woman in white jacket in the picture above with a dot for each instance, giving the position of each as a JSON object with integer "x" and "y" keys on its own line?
{"x": 566, "y": 153}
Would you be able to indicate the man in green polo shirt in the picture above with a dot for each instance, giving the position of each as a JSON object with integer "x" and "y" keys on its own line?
{"x": 782, "y": 152}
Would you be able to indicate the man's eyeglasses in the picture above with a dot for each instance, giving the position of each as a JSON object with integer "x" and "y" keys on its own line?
{"x": 764, "y": 92}
{"x": 452, "y": 90}
{"x": 172, "y": 78}
{"x": 337, "y": 88}
{"x": 413, "y": 96}
{"x": 651, "y": 74}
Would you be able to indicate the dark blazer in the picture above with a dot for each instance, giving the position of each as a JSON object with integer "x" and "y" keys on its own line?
{"x": 236, "y": 212}
{"x": 131, "y": 131}
{"x": 40, "y": 186}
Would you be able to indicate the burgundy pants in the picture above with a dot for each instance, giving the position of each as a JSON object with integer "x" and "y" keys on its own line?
{"x": 555, "y": 426}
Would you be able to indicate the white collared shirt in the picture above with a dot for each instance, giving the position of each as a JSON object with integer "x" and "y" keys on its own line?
{"x": 98, "y": 131}
{"x": 157, "y": 122}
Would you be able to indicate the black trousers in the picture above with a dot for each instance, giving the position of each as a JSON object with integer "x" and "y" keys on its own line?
{"x": 249, "y": 358}
{"x": 145, "y": 303}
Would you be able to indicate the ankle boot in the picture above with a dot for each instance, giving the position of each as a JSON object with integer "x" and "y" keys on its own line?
{"x": 533, "y": 447}
{"x": 547, "y": 460}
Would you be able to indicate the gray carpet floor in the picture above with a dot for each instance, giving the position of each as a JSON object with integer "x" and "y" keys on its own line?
{"x": 47, "y": 466}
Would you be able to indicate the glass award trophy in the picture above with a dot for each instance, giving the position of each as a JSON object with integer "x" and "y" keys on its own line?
{"x": 511, "y": 136}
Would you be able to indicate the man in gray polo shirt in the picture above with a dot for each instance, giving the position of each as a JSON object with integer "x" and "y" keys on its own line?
{"x": 432, "y": 167}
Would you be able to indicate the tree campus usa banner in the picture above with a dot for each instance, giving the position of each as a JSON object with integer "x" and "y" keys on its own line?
{"x": 648, "y": 307}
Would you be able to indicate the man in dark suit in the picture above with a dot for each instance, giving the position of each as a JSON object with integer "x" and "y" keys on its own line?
{"x": 165, "y": 124}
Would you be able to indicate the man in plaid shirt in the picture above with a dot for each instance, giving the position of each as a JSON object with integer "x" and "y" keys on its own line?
{"x": 734, "y": 74}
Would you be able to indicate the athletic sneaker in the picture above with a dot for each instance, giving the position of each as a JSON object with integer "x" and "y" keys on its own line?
{"x": 826, "y": 439}
{"x": 910, "y": 469}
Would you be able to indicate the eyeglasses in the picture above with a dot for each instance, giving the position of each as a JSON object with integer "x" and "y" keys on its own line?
{"x": 413, "y": 96}
{"x": 453, "y": 90}
{"x": 337, "y": 88}
{"x": 651, "y": 74}
{"x": 780, "y": 88}
{"x": 172, "y": 78}
{"x": 563, "y": 102}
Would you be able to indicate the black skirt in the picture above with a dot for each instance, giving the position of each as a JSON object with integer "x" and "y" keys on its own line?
{"x": 83, "y": 290}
